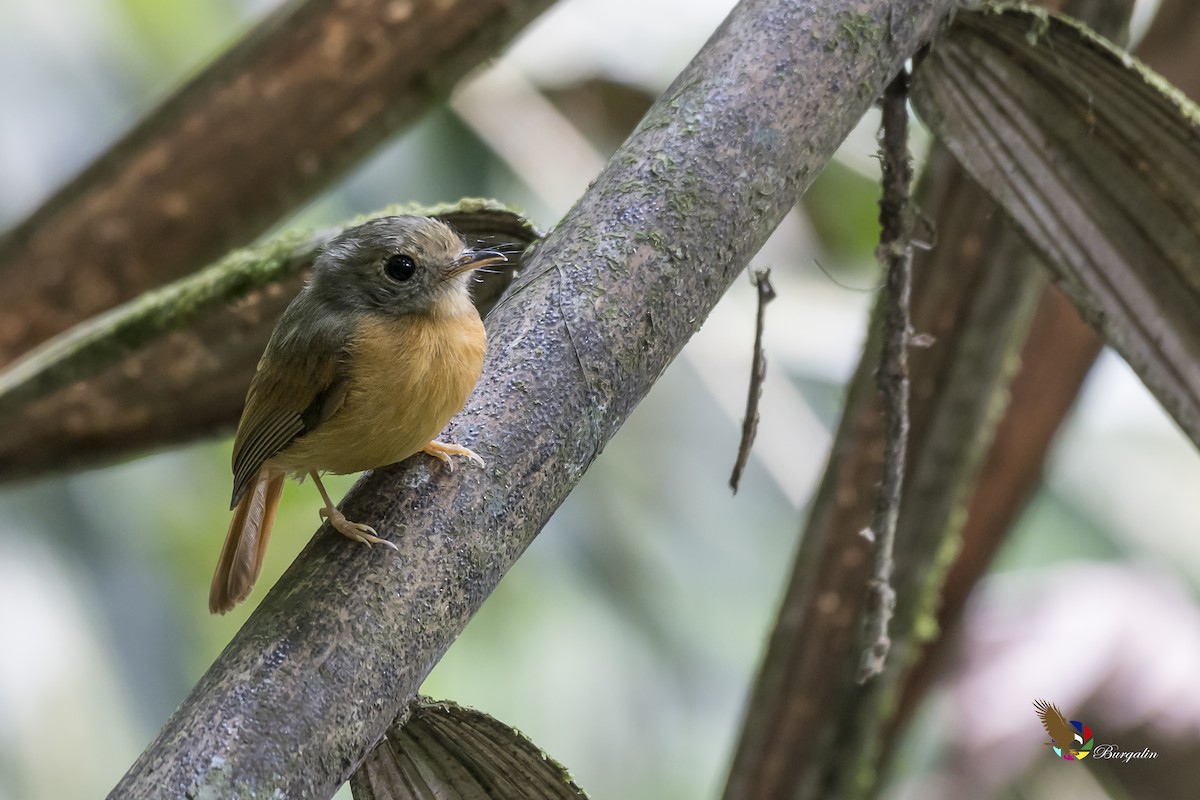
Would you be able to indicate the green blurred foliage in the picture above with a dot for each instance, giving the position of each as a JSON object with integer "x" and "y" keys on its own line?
{"x": 843, "y": 205}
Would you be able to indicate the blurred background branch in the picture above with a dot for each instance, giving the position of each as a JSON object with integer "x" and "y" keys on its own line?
{"x": 1055, "y": 359}
{"x": 808, "y": 731}
{"x": 287, "y": 110}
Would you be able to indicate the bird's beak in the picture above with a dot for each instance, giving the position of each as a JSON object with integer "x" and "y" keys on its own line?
{"x": 476, "y": 259}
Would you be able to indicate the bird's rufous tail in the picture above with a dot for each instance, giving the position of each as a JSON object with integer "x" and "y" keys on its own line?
{"x": 242, "y": 555}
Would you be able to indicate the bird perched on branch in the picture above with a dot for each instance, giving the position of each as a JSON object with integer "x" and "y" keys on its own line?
{"x": 365, "y": 368}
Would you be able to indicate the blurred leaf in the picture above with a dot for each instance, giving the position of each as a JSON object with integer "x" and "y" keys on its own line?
{"x": 1095, "y": 158}
{"x": 174, "y": 35}
{"x": 843, "y": 206}
{"x": 174, "y": 364}
{"x": 446, "y": 752}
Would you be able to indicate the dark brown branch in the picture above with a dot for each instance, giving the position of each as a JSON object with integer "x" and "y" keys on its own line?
{"x": 1055, "y": 359}
{"x": 334, "y": 651}
{"x": 810, "y": 730}
{"x": 1054, "y": 362}
{"x": 788, "y": 749}
{"x": 272, "y": 122}
{"x": 758, "y": 373}
{"x": 895, "y": 253}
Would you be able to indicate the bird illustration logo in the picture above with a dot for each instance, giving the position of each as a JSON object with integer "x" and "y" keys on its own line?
{"x": 1072, "y": 741}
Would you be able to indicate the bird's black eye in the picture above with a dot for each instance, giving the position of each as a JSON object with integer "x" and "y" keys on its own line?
{"x": 400, "y": 267}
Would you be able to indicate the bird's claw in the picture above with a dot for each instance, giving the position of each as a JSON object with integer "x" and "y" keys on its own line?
{"x": 356, "y": 531}
{"x": 443, "y": 450}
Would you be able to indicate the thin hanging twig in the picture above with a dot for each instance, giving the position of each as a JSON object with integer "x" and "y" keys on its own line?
{"x": 758, "y": 373}
{"x": 895, "y": 253}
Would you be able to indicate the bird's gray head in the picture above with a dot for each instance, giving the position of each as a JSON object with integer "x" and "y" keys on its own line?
{"x": 397, "y": 266}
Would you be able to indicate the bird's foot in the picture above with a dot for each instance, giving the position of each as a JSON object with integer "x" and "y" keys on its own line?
{"x": 443, "y": 451}
{"x": 353, "y": 530}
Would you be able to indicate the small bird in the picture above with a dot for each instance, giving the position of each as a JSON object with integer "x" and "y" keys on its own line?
{"x": 1062, "y": 732}
{"x": 365, "y": 367}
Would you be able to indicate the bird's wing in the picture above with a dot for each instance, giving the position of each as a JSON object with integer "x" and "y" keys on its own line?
{"x": 1061, "y": 731}
{"x": 297, "y": 387}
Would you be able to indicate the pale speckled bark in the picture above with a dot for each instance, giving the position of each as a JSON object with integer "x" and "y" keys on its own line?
{"x": 334, "y": 652}
{"x": 273, "y": 121}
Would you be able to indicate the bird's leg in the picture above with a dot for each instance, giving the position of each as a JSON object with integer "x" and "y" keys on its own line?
{"x": 351, "y": 530}
{"x": 443, "y": 451}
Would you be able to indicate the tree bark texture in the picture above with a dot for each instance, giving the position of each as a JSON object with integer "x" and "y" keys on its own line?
{"x": 277, "y": 118}
{"x": 341, "y": 645}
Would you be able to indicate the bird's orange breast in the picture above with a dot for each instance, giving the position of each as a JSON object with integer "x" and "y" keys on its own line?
{"x": 407, "y": 378}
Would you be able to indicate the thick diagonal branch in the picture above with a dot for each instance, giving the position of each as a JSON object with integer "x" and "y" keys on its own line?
{"x": 343, "y": 642}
